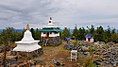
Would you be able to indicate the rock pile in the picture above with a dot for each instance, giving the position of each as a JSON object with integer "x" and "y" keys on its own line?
{"x": 111, "y": 56}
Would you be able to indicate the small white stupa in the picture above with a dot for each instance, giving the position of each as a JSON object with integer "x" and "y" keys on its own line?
{"x": 73, "y": 55}
{"x": 27, "y": 44}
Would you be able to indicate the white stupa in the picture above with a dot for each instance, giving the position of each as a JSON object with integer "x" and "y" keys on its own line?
{"x": 27, "y": 44}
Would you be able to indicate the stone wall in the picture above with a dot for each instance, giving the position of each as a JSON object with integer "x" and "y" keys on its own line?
{"x": 52, "y": 41}
{"x": 31, "y": 54}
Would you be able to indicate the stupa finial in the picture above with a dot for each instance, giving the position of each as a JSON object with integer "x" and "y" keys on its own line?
{"x": 27, "y": 27}
{"x": 50, "y": 20}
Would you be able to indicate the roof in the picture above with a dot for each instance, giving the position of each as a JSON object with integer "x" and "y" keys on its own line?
{"x": 51, "y": 29}
{"x": 88, "y": 36}
{"x": 68, "y": 38}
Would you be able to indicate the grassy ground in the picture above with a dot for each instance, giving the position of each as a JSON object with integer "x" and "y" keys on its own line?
{"x": 56, "y": 53}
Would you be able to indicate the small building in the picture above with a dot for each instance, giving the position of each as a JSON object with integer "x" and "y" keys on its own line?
{"x": 50, "y": 34}
{"x": 89, "y": 38}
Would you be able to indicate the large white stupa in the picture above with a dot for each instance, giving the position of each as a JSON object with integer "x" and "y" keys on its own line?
{"x": 27, "y": 44}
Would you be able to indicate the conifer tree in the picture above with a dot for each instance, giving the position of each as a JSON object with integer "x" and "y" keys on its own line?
{"x": 75, "y": 33}
{"x": 33, "y": 32}
{"x": 99, "y": 34}
{"x": 91, "y": 30}
{"x": 65, "y": 33}
{"x": 37, "y": 34}
{"x": 82, "y": 33}
{"x": 107, "y": 35}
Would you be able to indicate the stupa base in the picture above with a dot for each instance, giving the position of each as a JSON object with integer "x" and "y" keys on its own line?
{"x": 32, "y": 54}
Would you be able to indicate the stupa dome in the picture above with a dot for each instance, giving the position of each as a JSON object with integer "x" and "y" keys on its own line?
{"x": 27, "y": 36}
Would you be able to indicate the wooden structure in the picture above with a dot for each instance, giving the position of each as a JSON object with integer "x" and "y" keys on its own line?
{"x": 50, "y": 34}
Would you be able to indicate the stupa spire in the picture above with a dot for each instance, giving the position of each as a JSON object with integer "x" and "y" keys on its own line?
{"x": 50, "y": 20}
{"x": 27, "y": 27}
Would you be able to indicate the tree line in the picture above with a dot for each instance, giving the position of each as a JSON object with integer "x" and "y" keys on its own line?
{"x": 99, "y": 33}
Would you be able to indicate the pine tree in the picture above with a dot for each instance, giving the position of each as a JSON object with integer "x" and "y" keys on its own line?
{"x": 37, "y": 34}
{"x": 65, "y": 33}
{"x": 91, "y": 30}
{"x": 75, "y": 33}
{"x": 82, "y": 33}
{"x": 33, "y": 32}
{"x": 113, "y": 31}
{"x": 107, "y": 35}
{"x": 99, "y": 34}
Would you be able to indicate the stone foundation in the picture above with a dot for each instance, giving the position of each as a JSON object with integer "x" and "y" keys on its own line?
{"x": 28, "y": 54}
{"x": 52, "y": 41}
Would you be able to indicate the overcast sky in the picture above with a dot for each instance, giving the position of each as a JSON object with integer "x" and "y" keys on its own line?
{"x": 18, "y": 13}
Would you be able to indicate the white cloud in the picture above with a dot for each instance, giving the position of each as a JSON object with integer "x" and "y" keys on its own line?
{"x": 17, "y": 13}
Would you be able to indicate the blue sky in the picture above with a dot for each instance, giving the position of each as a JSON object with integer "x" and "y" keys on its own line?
{"x": 18, "y": 13}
